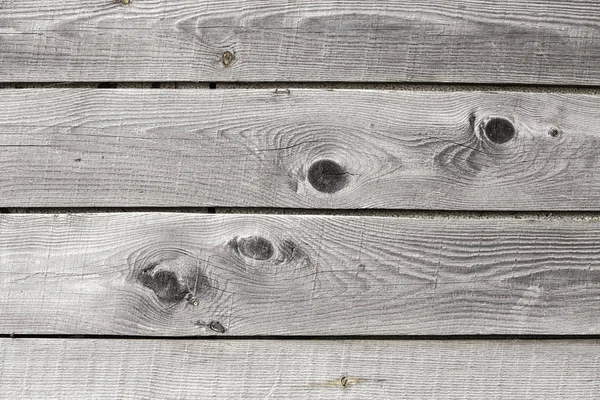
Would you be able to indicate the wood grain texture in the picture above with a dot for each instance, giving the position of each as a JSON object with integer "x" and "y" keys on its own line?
{"x": 151, "y": 369}
{"x": 508, "y": 41}
{"x": 299, "y": 148}
{"x": 206, "y": 274}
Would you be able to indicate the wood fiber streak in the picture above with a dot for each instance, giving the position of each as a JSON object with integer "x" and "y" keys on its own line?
{"x": 193, "y": 274}
{"x": 299, "y": 148}
{"x": 473, "y": 41}
{"x": 143, "y": 369}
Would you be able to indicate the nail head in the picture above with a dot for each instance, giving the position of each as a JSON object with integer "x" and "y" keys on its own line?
{"x": 554, "y": 132}
{"x": 227, "y": 58}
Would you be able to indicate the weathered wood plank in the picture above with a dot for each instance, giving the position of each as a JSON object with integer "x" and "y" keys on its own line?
{"x": 146, "y": 369}
{"x": 211, "y": 274}
{"x": 508, "y": 41}
{"x": 416, "y": 150}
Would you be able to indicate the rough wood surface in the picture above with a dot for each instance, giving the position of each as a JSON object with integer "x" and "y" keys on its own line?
{"x": 507, "y": 41}
{"x": 185, "y": 369}
{"x": 193, "y": 274}
{"x": 299, "y": 148}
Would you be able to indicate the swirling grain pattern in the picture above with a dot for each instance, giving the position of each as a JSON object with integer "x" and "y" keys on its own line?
{"x": 300, "y": 148}
{"x": 474, "y": 41}
{"x": 202, "y": 274}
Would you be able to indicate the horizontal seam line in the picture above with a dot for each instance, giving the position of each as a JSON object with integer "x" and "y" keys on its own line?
{"x": 503, "y": 337}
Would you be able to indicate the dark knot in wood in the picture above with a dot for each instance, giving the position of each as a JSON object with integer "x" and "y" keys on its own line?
{"x": 174, "y": 275}
{"x": 499, "y": 130}
{"x": 255, "y": 247}
{"x": 265, "y": 254}
{"x": 327, "y": 176}
{"x": 165, "y": 284}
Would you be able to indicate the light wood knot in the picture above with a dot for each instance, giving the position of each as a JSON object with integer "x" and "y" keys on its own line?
{"x": 327, "y": 176}
{"x": 498, "y": 130}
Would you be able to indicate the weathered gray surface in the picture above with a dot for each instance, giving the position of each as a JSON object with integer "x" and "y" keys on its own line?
{"x": 415, "y": 150}
{"x": 151, "y": 369}
{"x": 475, "y": 41}
{"x": 191, "y": 274}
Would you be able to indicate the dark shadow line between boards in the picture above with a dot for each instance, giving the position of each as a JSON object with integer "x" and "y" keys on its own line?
{"x": 314, "y": 337}
{"x": 384, "y": 212}
{"x": 424, "y": 86}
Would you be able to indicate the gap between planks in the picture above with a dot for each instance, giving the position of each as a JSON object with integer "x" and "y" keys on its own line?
{"x": 337, "y": 338}
{"x": 414, "y": 214}
{"x": 386, "y": 86}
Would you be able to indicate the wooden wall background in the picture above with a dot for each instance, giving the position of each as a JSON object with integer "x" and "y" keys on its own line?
{"x": 299, "y": 199}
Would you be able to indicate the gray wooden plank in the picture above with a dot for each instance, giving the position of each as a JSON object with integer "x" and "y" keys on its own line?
{"x": 265, "y": 148}
{"x": 210, "y": 274}
{"x": 508, "y": 41}
{"x": 182, "y": 369}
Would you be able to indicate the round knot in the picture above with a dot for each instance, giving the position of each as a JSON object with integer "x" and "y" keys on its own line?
{"x": 327, "y": 176}
{"x": 499, "y": 130}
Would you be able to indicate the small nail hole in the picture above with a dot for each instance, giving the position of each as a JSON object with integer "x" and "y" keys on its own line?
{"x": 217, "y": 327}
{"x": 554, "y": 132}
{"x": 344, "y": 381}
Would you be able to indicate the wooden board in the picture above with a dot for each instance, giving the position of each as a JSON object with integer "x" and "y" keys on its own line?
{"x": 151, "y": 369}
{"x": 509, "y": 41}
{"x": 191, "y": 274}
{"x": 299, "y": 148}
